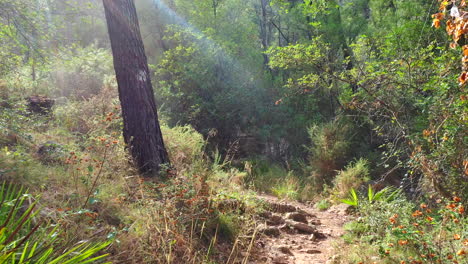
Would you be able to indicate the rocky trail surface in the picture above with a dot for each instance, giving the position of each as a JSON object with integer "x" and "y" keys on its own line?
{"x": 296, "y": 233}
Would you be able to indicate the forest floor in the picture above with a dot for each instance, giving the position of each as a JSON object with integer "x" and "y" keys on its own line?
{"x": 298, "y": 233}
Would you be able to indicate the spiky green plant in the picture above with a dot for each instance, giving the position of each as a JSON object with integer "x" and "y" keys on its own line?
{"x": 353, "y": 199}
{"x": 23, "y": 240}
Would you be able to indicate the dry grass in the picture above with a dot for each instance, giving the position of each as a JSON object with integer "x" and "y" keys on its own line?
{"x": 93, "y": 191}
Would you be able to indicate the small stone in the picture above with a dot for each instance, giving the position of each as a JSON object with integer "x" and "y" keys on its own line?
{"x": 279, "y": 260}
{"x": 306, "y": 213}
{"x": 286, "y": 228}
{"x": 315, "y": 222}
{"x": 313, "y": 251}
{"x": 285, "y": 250}
{"x": 298, "y": 217}
{"x": 265, "y": 214}
{"x": 282, "y": 208}
{"x": 320, "y": 235}
{"x": 304, "y": 228}
{"x": 270, "y": 231}
{"x": 275, "y": 220}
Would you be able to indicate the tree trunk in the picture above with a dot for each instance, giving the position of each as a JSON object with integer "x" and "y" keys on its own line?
{"x": 141, "y": 130}
{"x": 264, "y": 32}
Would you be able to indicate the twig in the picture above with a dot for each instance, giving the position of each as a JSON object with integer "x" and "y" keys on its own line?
{"x": 96, "y": 179}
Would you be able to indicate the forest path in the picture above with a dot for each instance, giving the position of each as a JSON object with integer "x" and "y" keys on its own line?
{"x": 297, "y": 233}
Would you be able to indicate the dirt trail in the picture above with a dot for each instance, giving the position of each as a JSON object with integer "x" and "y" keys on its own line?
{"x": 296, "y": 233}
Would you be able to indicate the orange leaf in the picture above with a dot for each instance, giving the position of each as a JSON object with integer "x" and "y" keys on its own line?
{"x": 465, "y": 50}
{"x": 438, "y": 15}
{"x": 449, "y": 27}
{"x": 436, "y": 23}
{"x": 462, "y": 79}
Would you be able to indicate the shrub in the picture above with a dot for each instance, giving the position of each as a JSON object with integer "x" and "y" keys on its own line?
{"x": 394, "y": 230}
{"x": 329, "y": 151}
{"x": 229, "y": 225}
{"x": 428, "y": 235}
{"x": 288, "y": 187}
{"x": 265, "y": 175}
{"x": 184, "y": 145}
{"x": 98, "y": 114}
{"x": 354, "y": 175}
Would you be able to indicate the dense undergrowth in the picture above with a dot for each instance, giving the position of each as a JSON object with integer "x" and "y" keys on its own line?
{"x": 305, "y": 100}
{"x": 389, "y": 228}
{"x": 74, "y": 163}
{"x": 86, "y": 191}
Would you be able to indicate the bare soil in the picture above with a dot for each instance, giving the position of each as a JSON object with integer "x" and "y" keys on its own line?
{"x": 297, "y": 233}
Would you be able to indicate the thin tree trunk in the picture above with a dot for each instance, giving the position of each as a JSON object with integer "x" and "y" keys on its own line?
{"x": 141, "y": 130}
{"x": 263, "y": 31}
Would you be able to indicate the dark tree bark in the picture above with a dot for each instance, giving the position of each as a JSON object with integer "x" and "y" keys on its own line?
{"x": 264, "y": 32}
{"x": 141, "y": 130}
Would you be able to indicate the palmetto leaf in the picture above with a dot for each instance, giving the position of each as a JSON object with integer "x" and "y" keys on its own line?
{"x": 22, "y": 243}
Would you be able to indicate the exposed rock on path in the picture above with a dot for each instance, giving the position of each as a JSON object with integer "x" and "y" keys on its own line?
{"x": 296, "y": 233}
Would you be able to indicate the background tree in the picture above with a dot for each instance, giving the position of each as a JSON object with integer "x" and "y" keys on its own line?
{"x": 141, "y": 130}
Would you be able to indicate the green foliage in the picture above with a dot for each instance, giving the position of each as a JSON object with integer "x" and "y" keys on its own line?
{"x": 361, "y": 80}
{"x": 21, "y": 31}
{"x": 387, "y": 194}
{"x": 24, "y": 240}
{"x": 229, "y": 225}
{"x": 266, "y": 175}
{"x": 404, "y": 232}
{"x": 329, "y": 151}
{"x": 301, "y": 57}
{"x": 323, "y": 205}
{"x": 352, "y": 177}
{"x": 287, "y": 188}
{"x": 415, "y": 111}
{"x": 353, "y": 199}
{"x": 185, "y": 146}
{"x": 436, "y": 235}
{"x": 81, "y": 72}
{"x": 199, "y": 84}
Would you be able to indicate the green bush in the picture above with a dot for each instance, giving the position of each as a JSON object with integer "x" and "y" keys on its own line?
{"x": 353, "y": 176}
{"x": 265, "y": 175}
{"x": 329, "y": 151}
{"x": 184, "y": 145}
{"x": 395, "y": 230}
{"x": 428, "y": 235}
{"x": 229, "y": 225}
